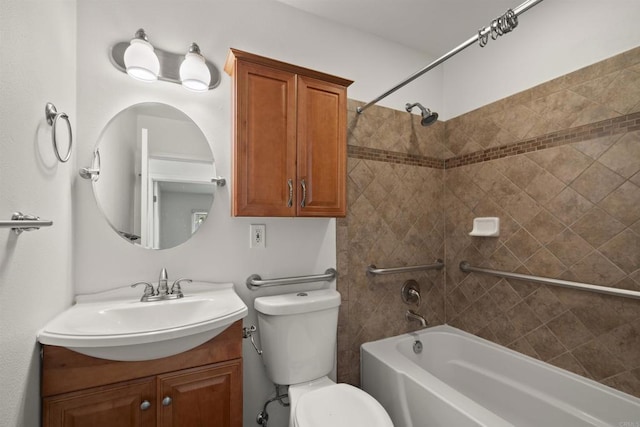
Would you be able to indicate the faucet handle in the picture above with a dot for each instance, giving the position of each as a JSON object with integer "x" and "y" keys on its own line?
{"x": 148, "y": 288}
{"x": 176, "y": 289}
{"x": 414, "y": 295}
{"x": 411, "y": 293}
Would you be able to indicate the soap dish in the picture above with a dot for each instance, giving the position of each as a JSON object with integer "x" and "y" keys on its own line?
{"x": 486, "y": 227}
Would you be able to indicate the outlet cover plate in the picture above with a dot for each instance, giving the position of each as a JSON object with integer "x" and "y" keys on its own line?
{"x": 258, "y": 236}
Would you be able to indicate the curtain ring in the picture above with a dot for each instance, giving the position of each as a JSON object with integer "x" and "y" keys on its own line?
{"x": 512, "y": 18}
{"x": 52, "y": 116}
{"x": 494, "y": 30}
{"x": 483, "y": 39}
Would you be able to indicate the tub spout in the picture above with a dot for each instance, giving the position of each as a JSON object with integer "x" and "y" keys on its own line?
{"x": 412, "y": 315}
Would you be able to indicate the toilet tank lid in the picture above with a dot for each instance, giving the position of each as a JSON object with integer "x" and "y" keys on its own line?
{"x": 298, "y": 302}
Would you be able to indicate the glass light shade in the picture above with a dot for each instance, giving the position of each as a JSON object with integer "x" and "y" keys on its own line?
{"x": 141, "y": 61}
{"x": 194, "y": 73}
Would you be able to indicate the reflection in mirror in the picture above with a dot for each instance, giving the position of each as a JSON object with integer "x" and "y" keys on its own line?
{"x": 156, "y": 167}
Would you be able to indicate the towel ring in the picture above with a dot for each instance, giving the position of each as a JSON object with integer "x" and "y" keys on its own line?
{"x": 52, "y": 116}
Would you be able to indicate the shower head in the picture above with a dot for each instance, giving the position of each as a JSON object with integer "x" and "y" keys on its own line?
{"x": 428, "y": 117}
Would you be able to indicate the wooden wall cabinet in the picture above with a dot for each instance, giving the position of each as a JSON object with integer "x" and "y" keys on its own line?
{"x": 201, "y": 387}
{"x": 290, "y": 139}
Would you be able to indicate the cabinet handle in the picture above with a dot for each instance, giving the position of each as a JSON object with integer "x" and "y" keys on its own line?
{"x": 290, "y": 183}
{"x": 166, "y": 401}
{"x": 304, "y": 193}
{"x": 145, "y": 405}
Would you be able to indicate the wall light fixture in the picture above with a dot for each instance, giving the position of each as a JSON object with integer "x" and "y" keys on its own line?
{"x": 140, "y": 60}
{"x": 143, "y": 61}
{"x": 194, "y": 73}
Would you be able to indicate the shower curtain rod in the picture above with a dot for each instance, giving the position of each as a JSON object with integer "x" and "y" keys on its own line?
{"x": 482, "y": 33}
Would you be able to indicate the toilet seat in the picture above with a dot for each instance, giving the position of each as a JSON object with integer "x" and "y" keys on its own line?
{"x": 339, "y": 405}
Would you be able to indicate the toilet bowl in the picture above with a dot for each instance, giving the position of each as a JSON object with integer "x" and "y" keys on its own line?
{"x": 323, "y": 403}
{"x": 298, "y": 333}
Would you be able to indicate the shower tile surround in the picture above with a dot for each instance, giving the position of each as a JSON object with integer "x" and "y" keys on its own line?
{"x": 560, "y": 165}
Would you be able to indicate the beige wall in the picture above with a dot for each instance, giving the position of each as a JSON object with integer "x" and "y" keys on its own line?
{"x": 559, "y": 164}
{"x": 395, "y": 218}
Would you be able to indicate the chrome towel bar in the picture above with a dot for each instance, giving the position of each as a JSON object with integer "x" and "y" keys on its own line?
{"x": 255, "y": 281}
{"x": 20, "y": 222}
{"x": 373, "y": 270}
{"x": 467, "y": 268}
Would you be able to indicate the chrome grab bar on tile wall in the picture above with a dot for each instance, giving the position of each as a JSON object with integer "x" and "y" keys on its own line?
{"x": 372, "y": 270}
{"x": 467, "y": 268}
{"x": 255, "y": 281}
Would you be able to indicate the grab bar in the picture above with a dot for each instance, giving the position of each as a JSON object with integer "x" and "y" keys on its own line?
{"x": 467, "y": 268}
{"x": 255, "y": 281}
{"x": 20, "y": 222}
{"x": 373, "y": 270}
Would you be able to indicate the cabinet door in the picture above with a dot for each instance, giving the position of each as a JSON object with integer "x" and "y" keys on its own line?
{"x": 322, "y": 148}
{"x": 130, "y": 404}
{"x": 265, "y": 141}
{"x": 202, "y": 397}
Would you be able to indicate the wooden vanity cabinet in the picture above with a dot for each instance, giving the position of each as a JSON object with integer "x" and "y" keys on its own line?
{"x": 201, "y": 387}
{"x": 290, "y": 139}
{"x": 117, "y": 405}
{"x": 200, "y": 397}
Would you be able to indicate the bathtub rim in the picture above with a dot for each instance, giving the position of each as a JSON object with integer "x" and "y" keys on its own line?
{"x": 451, "y": 330}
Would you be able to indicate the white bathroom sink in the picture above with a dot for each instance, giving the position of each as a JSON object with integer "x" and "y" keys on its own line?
{"x": 115, "y": 325}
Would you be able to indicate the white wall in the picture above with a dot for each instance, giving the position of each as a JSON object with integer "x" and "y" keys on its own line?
{"x": 36, "y": 267}
{"x": 220, "y": 250}
{"x": 553, "y": 38}
{"x": 38, "y": 64}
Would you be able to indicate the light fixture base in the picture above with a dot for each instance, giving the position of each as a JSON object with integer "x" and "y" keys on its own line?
{"x": 169, "y": 64}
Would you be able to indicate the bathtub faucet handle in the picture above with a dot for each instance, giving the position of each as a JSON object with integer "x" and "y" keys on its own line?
{"x": 411, "y": 293}
{"x": 415, "y": 295}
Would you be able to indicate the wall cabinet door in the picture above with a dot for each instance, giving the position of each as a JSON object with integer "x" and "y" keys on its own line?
{"x": 130, "y": 404}
{"x": 265, "y": 144}
{"x": 322, "y": 148}
{"x": 290, "y": 142}
{"x": 209, "y": 396}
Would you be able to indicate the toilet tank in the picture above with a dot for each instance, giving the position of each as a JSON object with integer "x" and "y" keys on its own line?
{"x": 298, "y": 334}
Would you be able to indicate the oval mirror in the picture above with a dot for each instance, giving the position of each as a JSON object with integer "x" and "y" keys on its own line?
{"x": 156, "y": 175}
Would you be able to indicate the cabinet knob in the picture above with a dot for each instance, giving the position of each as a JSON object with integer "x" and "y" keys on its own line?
{"x": 145, "y": 405}
{"x": 166, "y": 401}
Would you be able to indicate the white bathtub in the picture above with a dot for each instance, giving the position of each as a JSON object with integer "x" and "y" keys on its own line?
{"x": 461, "y": 380}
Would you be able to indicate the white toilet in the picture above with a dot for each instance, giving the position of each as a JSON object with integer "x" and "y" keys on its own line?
{"x": 298, "y": 333}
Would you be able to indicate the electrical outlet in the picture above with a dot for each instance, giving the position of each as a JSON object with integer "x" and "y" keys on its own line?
{"x": 258, "y": 236}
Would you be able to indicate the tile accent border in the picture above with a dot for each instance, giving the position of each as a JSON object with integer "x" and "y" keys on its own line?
{"x": 621, "y": 124}
{"x": 617, "y": 125}
{"x": 387, "y": 156}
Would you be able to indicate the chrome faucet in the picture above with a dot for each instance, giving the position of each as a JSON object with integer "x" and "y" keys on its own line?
{"x": 162, "y": 292}
{"x": 412, "y": 315}
{"x": 163, "y": 288}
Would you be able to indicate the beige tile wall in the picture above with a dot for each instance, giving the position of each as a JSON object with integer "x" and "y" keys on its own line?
{"x": 604, "y": 90}
{"x": 579, "y": 221}
{"x": 569, "y": 207}
{"x": 395, "y": 218}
